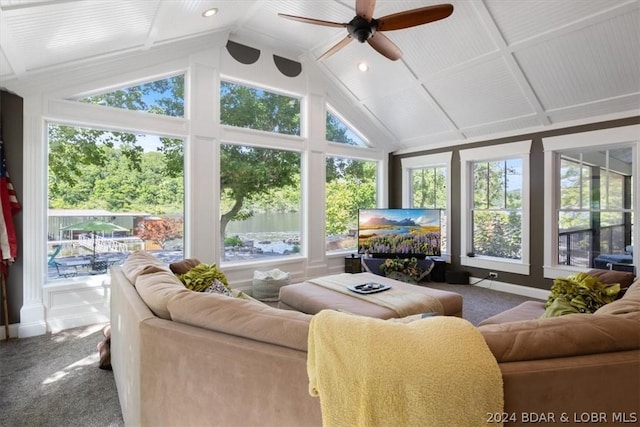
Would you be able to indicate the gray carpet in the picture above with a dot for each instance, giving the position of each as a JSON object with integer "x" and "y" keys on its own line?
{"x": 480, "y": 303}
{"x": 53, "y": 380}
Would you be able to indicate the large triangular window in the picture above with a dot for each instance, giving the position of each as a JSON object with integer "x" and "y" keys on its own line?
{"x": 338, "y": 131}
{"x": 165, "y": 97}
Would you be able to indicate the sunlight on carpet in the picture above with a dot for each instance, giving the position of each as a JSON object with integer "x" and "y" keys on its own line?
{"x": 89, "y": 361}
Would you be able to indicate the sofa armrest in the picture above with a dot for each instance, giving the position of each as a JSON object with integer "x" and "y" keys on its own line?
{"x": 528, "y": 310}
{"x": 128, "y": 311}
{"x": 606, "y": 383}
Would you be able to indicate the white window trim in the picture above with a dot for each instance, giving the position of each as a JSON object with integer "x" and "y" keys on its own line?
{"x": 520, "y": 150}
{"x": 430, "y": 160}
{"x": 553, "y": 146}
{"x": 349, "y": 125}
{"x": 381, "y": 194}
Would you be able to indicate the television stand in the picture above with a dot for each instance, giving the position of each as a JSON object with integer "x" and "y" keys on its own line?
{"x": 372, "y": 265}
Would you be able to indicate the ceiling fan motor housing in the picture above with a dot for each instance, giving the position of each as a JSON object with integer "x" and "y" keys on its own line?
{"x": 361, "y": 29}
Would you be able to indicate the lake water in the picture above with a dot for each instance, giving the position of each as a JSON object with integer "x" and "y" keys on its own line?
{"x": 288, "y": 222}
{"x": 268, "y": 231}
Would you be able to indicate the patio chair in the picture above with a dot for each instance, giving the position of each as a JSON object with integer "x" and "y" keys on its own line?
{"x": 65, "y": 271}
{"x": 101, "y": 266}
{"x": 53, "y": 255}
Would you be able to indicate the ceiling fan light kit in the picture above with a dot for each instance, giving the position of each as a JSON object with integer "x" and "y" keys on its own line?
{"x": 364, "y": 28}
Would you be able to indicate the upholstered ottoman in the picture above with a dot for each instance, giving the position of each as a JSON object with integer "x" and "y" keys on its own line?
{"x": 309, "y": 297}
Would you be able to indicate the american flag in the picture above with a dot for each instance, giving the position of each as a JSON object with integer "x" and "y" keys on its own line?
{"x": 9, "y": 206}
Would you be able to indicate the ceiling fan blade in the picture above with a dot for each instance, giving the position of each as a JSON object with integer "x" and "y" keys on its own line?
{"x": 385, "y": 46}
{"x": 342, "y": 43}
{"x": 364, "y": 8}
{"x": 413, "y": 17}
{"x": 312, "y": 21}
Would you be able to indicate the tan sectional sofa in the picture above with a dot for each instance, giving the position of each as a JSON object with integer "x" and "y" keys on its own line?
{"x": 182, "y": 358}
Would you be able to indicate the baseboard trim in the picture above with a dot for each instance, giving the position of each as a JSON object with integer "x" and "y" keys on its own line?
{"x": 71, "y": 305}
{"x": 527, "y": 291}
{"x": 32, "y": 320}
{"x": 33, "y": 329}
{"x": 60, "y": 323}
{"x": 13, "y": 331}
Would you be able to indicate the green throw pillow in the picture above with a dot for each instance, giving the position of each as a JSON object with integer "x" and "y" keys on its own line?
{"x": 559, "y": 307}
{"x": 202, "y": 276}
{"x": 583, "y": 292}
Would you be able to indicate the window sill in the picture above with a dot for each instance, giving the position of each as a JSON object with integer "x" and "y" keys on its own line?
{"x": 552, "y": 272}
{"x": 498, "y": 264}
{"x": 261, "y": 262}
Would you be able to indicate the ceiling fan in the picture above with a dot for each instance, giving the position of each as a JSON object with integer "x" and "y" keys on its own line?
{"x": 365, "y": 28}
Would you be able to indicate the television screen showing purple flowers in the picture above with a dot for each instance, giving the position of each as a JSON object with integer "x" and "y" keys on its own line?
{"x": 407, "y": 232}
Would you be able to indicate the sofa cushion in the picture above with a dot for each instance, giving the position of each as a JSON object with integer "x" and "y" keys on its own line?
{"x": 625, "y": 278}
{"x": 137, "y": 262}
{"x": 570, "y": 335}
{"x": 528, "y": 310}
{"x": 627, "y": 306}
{"x": 181, "y": 267}
{"x": 156, "y": 289}
{"x": 244, "y": 318}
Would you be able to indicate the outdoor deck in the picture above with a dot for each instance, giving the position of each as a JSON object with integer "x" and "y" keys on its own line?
{"x": 84, "y": 265}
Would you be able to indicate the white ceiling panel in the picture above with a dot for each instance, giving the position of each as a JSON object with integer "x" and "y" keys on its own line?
{"x": 501, "y": 127}
{"x": 599, "y": 108}
{"x": 334, "y": 11}
{"x": 407, "y": 115}
{"x": 179, "y": 18}
{"x": 586, "y": 65}
{"x": 443, "y": 44}
{"x": 383, "y": 78}
{"x": 77, "y": 29}
{"x": 7, "y": 4}
{"x": 5, "y": 67}
{"x": 429, "y": 139}
{"x": 303, "y": 36}
{"x": 521, "y": 20}
{"x": 487, "y": 92}
{"x": 492, "y": 67}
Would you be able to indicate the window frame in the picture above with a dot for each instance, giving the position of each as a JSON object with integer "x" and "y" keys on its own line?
{"x": 365, "y": 142}
{"x": 256, "y": 86}
{"x": 140, "y": 82}
{"x": 303, "y": 235}
{"x": 468, "y": 157}
{"x": 408, "y": 164}
{"x": 553, "y": 147}
{"x": 54, "y": 281}
{"x": 379, "y": 186}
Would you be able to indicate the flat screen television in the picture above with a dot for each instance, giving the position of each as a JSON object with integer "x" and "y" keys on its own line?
{"x": 384, "y": 233}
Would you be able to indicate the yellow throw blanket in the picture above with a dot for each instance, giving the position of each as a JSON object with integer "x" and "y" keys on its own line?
{"x": 436, "y": 371}
{"x": 402, "y": 302}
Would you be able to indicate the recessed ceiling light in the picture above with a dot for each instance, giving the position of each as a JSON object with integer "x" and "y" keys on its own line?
{"x": 210, "y": 12}
{"x": 363, "y": 66}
